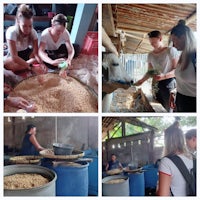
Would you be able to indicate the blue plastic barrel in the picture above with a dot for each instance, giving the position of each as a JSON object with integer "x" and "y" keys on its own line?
{"x": 150, "y": 176}
{"x": 136, "y": 184}
{"x": 92, "y": 172}
{"x": 71, "y": 180}
{"x": 93, "y": 176}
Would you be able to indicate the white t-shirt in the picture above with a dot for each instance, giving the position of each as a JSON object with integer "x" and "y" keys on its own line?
{"x": 50, "y": 44}
{"x": 178, "y": 183}
{"x": 11, "y": 34}
{"x": 163, "y": 61}
{"x": 186, "y": 80}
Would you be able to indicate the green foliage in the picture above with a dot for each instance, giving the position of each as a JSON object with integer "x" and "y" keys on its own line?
{"x": 130, "y": 129}
{"x": 161, "y": 123}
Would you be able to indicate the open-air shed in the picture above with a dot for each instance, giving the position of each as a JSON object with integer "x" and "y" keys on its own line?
{"x": 137, "y": 147}
{"x": 127, "y": 25}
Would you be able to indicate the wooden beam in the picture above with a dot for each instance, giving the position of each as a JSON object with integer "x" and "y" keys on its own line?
{"x": 131, "y": 31}
{"x": 191, "y": 18}
{"x": 123, "y": 129}
{"x": 165, "y": 9}
{"x": 136, "y": 37}
{"x": 140, "y": 43}
{"x": 107, "y": 43}
{"x": 104, "y": 134}
{"x": 107, "y": 20}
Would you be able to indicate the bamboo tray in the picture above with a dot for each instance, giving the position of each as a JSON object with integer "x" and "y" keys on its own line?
{"x": 131, "y": 171}
{"x": 49, "y": 153}
{"x": 25, "y": 159}
{"x": 114, "y": 171}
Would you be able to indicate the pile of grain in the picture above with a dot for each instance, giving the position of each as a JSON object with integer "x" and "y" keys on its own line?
{"x": 115, "y": 181}
{"x": 51, "y": 93}
{"x": 24, "y": 181}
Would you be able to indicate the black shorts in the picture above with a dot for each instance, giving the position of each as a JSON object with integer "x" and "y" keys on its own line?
{"x": 25, "y": 54}
{"x": 61, "y": 52}
{"x": 164, "y": 89}
{"x": 185, "y": 103}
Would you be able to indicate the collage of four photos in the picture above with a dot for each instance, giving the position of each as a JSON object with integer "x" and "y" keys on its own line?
{"x": 100, "y": 99}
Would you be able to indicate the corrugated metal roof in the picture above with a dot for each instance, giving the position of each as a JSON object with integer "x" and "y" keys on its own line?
{"x": 132, "y": 22}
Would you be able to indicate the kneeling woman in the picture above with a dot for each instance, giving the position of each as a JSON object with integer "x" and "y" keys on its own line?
{"x": 55, "y": 45}
{"x": 22, "y": 43}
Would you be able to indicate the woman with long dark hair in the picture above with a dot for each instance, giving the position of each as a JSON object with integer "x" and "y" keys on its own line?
{"x": 30, "y": 145}
{"x": 184, "y": 40}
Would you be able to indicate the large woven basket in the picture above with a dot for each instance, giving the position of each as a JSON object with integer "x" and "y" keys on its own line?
{"x": 25, "y": 159}
{"x": 49, "y": 153}
{"x": 52, "y": 93}
{"x": 114, "y": 171}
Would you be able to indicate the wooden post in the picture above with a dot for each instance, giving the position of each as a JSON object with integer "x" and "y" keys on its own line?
{"x": 107, "y": 43}
{"x": 123, "y": 129}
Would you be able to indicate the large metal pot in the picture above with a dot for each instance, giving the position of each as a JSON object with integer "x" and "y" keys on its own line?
{"x": 48, "y": 189}
{"x": 62, "y": 149}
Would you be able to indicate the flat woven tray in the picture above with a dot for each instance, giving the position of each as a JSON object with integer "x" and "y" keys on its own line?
{"x": 114, "y": 171}
{"x": 25, "y": 159}
{"x": 138, "y": 170}
{"x": 49, "y": 153}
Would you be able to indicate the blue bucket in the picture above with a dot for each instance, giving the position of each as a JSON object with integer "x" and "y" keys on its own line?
{"x": 136, "y": 184}
{"x": 150, "y": 176}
